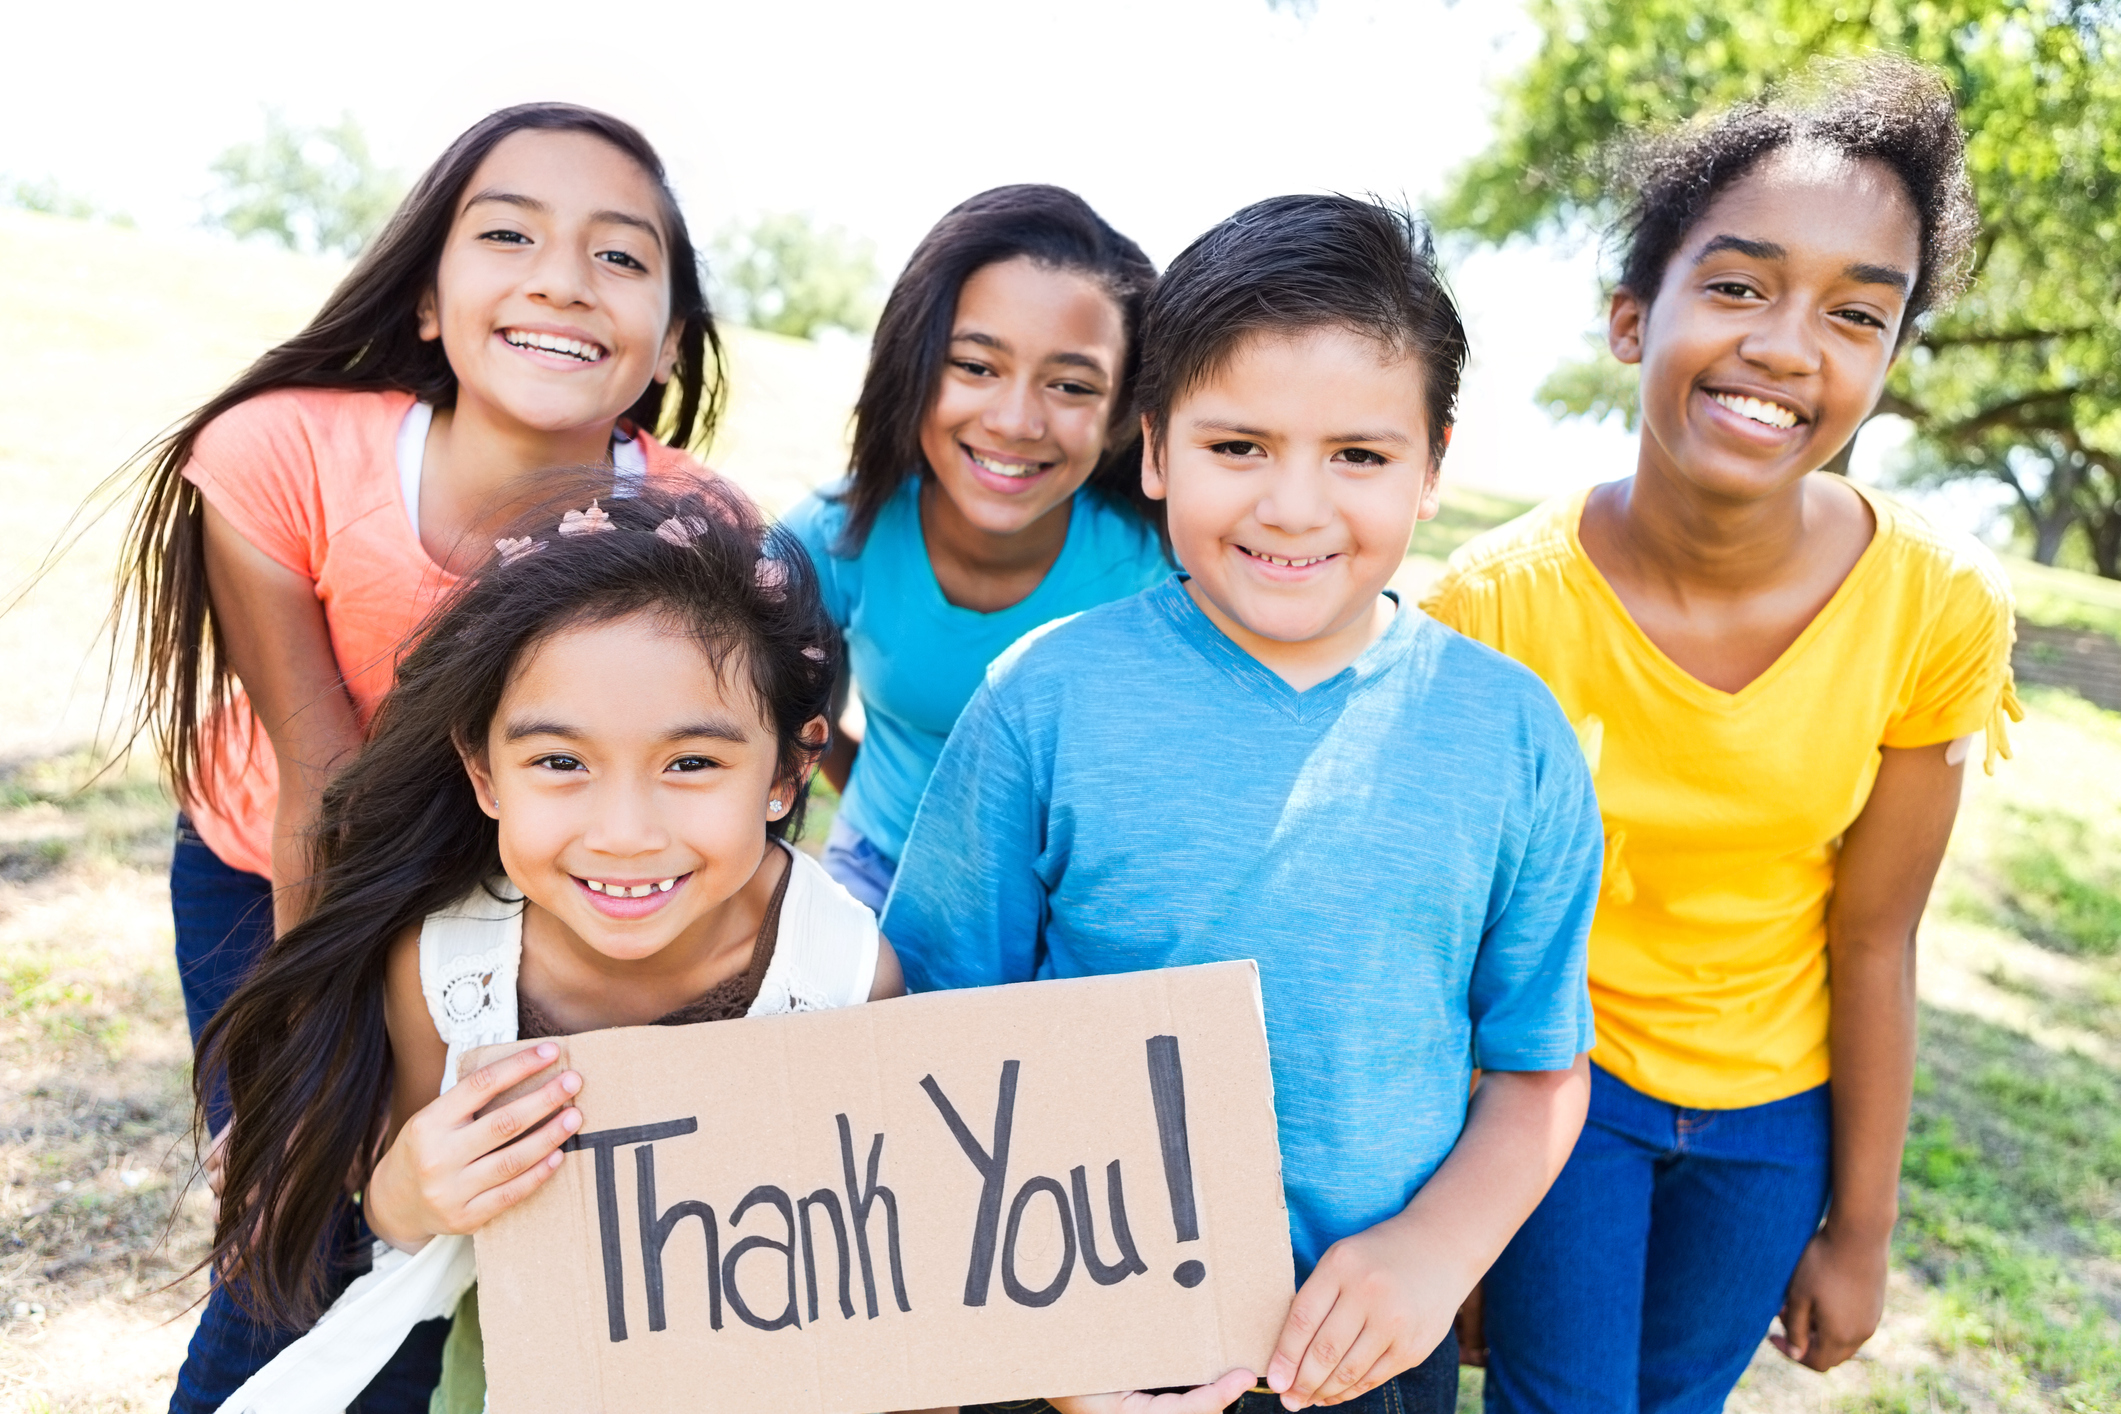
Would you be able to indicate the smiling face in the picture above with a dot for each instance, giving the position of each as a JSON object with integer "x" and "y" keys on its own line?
{"x": 1770, "y": 338}
{"x": 1293, "y": 478}
{"x": 552, "y": 298}
{"x": 1025, "y": 403}
{"x": 631, "y": 817}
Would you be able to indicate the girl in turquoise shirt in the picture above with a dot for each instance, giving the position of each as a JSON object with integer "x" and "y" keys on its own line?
{"x": 996, "y": 486}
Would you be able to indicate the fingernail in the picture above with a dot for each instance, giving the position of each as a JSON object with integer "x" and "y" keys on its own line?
{"x": 548, "y": 1051}
{"x": 571, "y": 1121}
{"x": 570, "y": 1082}
{"x": 554, "y": 1161}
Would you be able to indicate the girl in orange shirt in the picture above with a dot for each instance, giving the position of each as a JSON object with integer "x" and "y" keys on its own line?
{"x": 1776, "y": 677}
{"x": 534, "y": 302}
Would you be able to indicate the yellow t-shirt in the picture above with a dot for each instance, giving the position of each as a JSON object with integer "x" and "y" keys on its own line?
{"x": 1724, "y": 811}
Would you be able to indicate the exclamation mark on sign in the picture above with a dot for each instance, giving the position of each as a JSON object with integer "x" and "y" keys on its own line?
{"x": 1167, "y": 1086}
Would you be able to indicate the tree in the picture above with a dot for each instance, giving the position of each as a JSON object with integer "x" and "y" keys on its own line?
{"x": 785, "y": 273}
{"x": 310, "y": 189}
{"x": 2021, "y": 381}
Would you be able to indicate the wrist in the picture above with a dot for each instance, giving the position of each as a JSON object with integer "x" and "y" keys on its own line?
{"x": 1867, "y": 1225}
{"x": 380, "y": 1212}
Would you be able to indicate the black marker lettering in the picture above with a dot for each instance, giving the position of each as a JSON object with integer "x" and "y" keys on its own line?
{"x": 993, "y": 1170}
{"x": 606, "y": 1143}
{"x": 764, "y": 1193}
{"x": 1130, "y": 1262}
{"x": 859, "y": 1201}
{"x": 1167, "y": 1087}
{"x": 830, "y": 1201}
{"x": 1050, "y": 1293}
{"x": 655, "y": 1232}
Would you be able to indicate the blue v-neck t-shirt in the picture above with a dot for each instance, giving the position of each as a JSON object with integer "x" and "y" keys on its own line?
{"x": 916, "y": 657}
{"x": 1410, "y": 850}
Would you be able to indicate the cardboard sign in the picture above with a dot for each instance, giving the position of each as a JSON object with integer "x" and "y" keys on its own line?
{"x": 1055, "y": 1188}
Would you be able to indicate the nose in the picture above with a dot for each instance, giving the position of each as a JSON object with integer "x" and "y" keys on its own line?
{"x": 1296, "y": 498}
{"x": 560, "y": 276}
{"x": 1016, "y": 413}
{"x": 624, "y": 823}
{"x": 1784, "y": 340}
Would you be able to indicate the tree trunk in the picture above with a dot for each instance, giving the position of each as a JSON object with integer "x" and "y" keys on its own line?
{"x": 2047, "y": 535}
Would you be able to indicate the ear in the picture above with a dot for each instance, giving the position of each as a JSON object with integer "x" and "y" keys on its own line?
{"x": 481, "y": 773}
{"x": 1153, "y": 485}
{"x": 1432, "y": 484}
{"x": 666, "y": 362}
{"x": 430, "y": 313}
{"x": 1624, "y": 322}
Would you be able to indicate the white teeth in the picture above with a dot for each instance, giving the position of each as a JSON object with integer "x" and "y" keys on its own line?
{"x": 666, "y": 886}
{"x": 1288, "y": 564}
{"x": 1758, "y": 410}
{"x": 661, "y": 886}
{"x": 1015, "y": 471}
{"x": 553, "y": 343}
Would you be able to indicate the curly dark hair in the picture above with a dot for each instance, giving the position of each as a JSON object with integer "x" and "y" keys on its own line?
{"x": 302, "y": 1045}
{"x": 1292, "y": 263}
{"x": 1880, "y": 108}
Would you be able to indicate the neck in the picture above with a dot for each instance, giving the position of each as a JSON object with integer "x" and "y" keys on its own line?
{"x": 984, "y": 569}
{"x": 1307, "y": 662}
{"x": 1674, "y": 531}
{"x": 475, "y": 453}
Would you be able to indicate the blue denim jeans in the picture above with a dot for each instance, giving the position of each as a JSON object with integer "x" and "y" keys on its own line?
{"x": 224, "y": 923}
{"x": 1645, "y": 1280}
{"x": 1429, "y": 1388}
{"x": 859, "y": 865}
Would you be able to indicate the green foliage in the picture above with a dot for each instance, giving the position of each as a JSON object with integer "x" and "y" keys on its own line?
{"x": 1597, "y": 387}
{"x": 2021, "y": 382}
{"x": 784, "y": 273}
{"x": 51, "y": 199}
{"x": 311, "y": 189}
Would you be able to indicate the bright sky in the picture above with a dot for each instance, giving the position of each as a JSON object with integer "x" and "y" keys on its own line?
{"x": 1166, "y": 114}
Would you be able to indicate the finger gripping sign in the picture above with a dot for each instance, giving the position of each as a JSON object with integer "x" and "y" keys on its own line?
{"x": 1054, "y": 1188}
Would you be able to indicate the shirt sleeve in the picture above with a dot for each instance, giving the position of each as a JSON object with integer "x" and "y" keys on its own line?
{"x": 1530, "y": 998}
{"x": 815, "y": 523}
{"x": 968, "y": 907}
{"x": 257, "y": 466}
{"x": 1456, "y": 602}
{"x": 1963, "y": 682}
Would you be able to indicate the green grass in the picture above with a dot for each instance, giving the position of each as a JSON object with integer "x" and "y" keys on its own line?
{"x": 2064, "y": 598}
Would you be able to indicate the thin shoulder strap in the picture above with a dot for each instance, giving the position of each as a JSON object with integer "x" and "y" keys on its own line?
{"x": 470, "y": 953}
{"x": 825, "y": 955}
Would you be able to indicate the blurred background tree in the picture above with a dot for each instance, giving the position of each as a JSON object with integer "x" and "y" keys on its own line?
{"x": 2020, "y": 383}
{"x": 785, "y": 273}
{"x": 313, "y": 189}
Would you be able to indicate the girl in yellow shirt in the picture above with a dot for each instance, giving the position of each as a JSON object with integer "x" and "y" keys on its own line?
{"x": 1775, "y": 675}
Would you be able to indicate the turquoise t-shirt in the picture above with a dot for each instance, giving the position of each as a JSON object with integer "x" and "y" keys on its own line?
{"x": 917, "y": 657}
{"x": 1410, "y": 850}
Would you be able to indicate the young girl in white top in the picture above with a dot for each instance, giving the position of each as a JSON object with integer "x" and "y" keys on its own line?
{"x": 572, "y": 814}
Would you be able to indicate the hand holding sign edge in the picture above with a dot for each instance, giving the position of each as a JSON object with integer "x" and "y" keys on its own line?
{"x": 1206, "y": 1399}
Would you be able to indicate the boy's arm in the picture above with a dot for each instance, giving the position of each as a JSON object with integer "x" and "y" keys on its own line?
{"x": 967, "y": 907}
{"x": 1889, "y": 858}
{"x": 1379, "y": 1302}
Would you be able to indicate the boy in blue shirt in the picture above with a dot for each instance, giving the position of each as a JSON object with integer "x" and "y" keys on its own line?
{"x": 1269, "y": 756}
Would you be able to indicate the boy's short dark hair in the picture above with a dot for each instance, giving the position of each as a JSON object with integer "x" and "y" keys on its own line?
{"x": 1294, "y": 263}
{"x": 1879, "y": 108}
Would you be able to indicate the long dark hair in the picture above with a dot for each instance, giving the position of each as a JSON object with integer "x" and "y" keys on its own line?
{"x": 1051, "y": 226}
{"x": 302, "y": 1045}
{"x": 367, "y": 336}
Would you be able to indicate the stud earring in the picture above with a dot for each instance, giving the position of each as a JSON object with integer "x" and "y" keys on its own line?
{"x": 773, "y": 807}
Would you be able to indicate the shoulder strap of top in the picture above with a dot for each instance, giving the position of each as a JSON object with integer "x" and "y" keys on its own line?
{"x": 469, "y": 955}
{"x": 825, "y": 955}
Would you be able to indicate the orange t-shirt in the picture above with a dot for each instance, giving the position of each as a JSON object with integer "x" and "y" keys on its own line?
{"x": 310, "y": 477}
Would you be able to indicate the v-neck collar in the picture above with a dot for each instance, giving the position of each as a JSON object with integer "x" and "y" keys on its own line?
{"x": 1685, "y": 682}
{"x": 1200, "y": 633}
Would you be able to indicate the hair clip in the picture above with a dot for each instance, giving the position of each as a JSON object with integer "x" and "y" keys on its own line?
{"x": 815, "y": 654}
{"x": 588, "y": 522}
{"x": 679, "y": 531}
{"x": 772, "y": 577}
{"x": 513, "y": 550}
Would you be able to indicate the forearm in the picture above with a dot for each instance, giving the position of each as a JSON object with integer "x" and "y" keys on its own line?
{"x": 304, "y": 771}
{"x": 1518, "y": 1133}
{"x": 1872, "y": 1050}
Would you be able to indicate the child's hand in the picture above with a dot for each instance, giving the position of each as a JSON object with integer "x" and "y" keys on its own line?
{"x": 217, "y": 1161}
{"x": 1835, "y": 1300}
{"x": 449, "y": 1172}
{"x": 1370, "y": 1310}
{"x": 1207, "y": 1399}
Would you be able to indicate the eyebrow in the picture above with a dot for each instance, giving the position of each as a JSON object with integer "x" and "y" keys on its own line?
{"x": 1395, "y": 439}
{"x": 1860, "y": 271}
{"x": 989, "y": 341}
{"x": 531, "y": 203}
{"x": 712, "y": 728}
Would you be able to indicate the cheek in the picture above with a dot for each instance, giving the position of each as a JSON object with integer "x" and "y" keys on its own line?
{"x": 1082, "y": 430}
{"x": 955, "y": 406}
